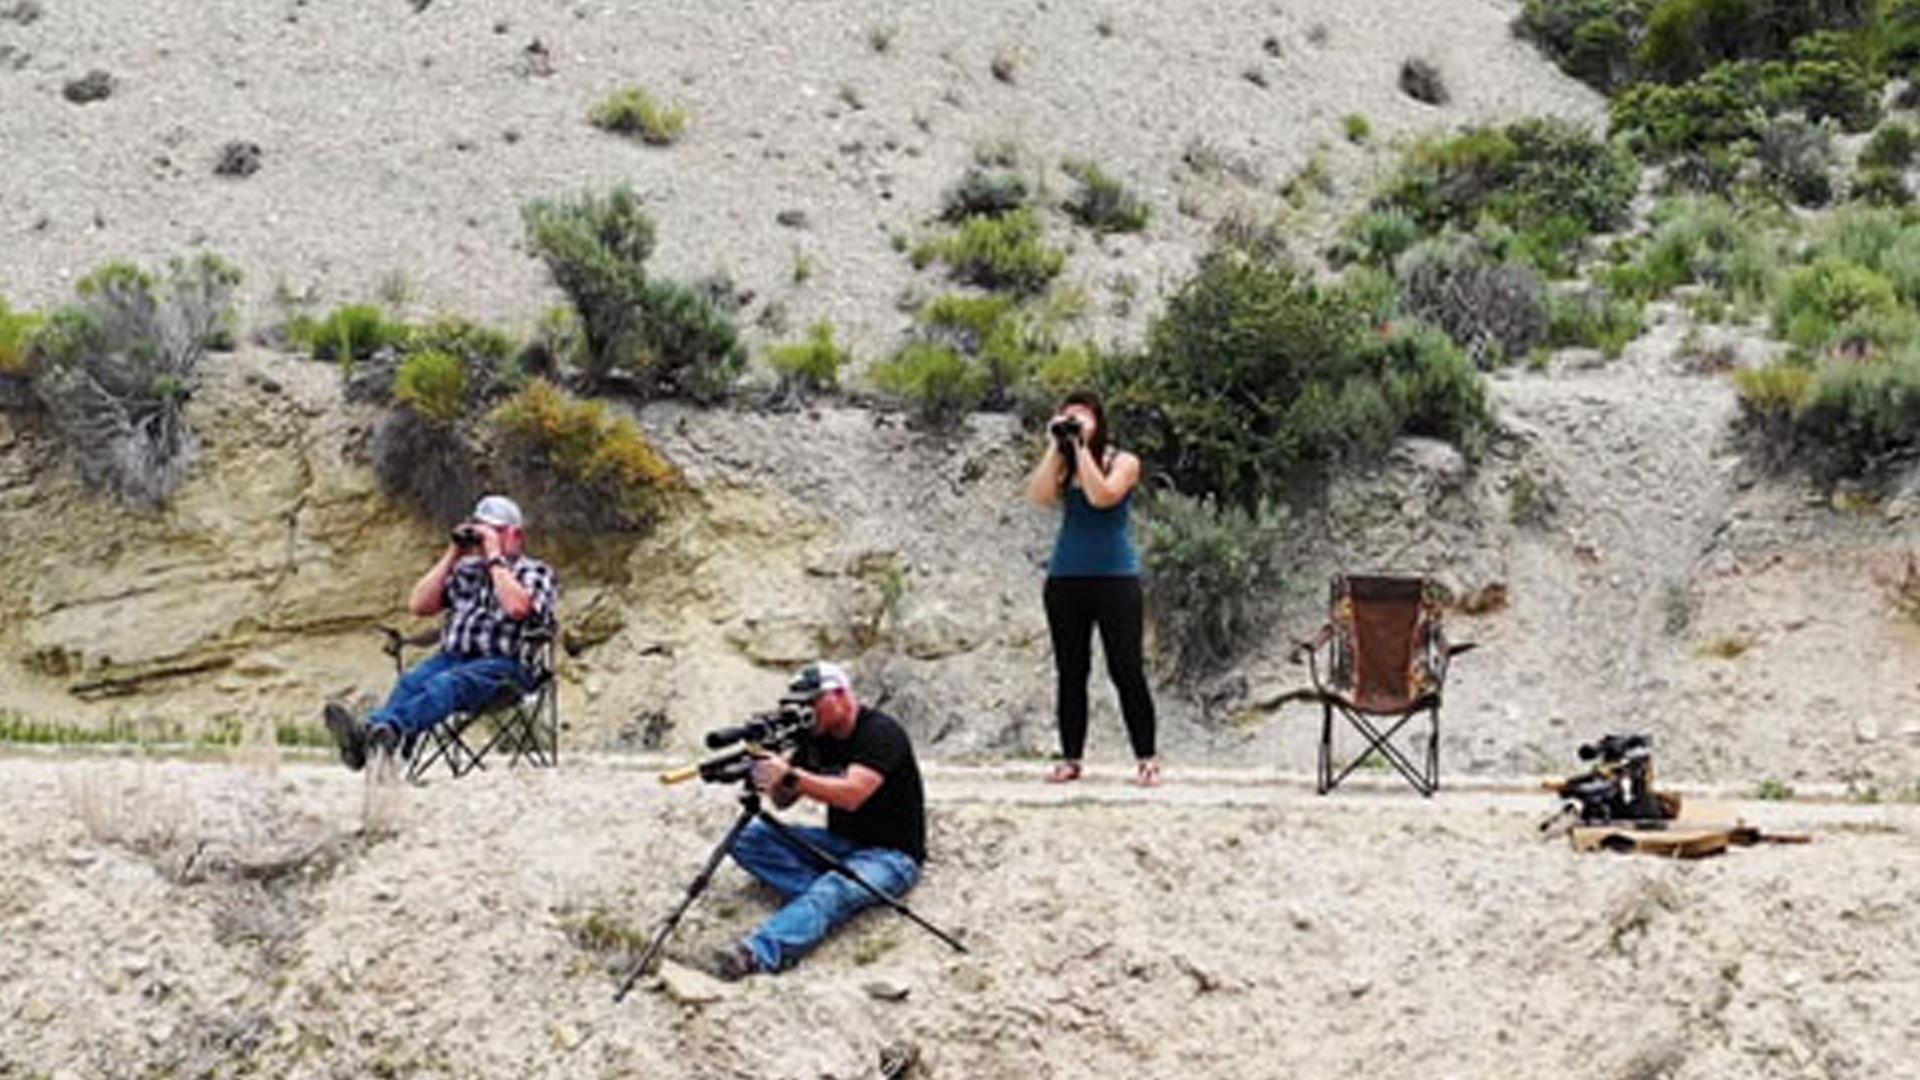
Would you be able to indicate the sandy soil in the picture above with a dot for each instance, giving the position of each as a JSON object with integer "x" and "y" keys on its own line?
{"x": 166, "y": 918}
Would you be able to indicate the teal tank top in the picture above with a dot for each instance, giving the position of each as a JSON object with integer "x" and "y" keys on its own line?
{"x": 1094, "y": 542}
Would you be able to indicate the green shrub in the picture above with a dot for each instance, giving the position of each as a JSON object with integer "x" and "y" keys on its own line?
{"x": 1862, "y": 415}
{"x": 1005, "y": 252}
{"x": 1496, "y": 311}
{"x": 1532, "y": 175}
{"x": 990, "y": 331}
{"x": 1711, "y": 171}
{"x": 1710, "y": 113}
{"x": 1900, "y": 36}
{"x": 465, "y": 339}
{"x": 1592, "y": 319}
{"x": 1816, "y": 300}
{"x": 584, "y": 468}
{"x": 632, "y": 111}
{"x": 113, "y": 370}
{"x": 1375, "y": 238}
{"x": 438, "y": 468}
{"x": 433, "y": 384}
{"x": 1255, "y": 372}
{"x": 1892, "y": 146}
{"x": 349, "y": 333}
{"x": 672, "y": 339}
{"x": 1103, "y": 203}
{"x": 1429, "y": 386}
{"x": 1591, "y": 40}
{"x": 1777, "y": 391}
{"x": 1795, "y": 158}
{"x": 1697, "y": 240}
{"x": 940, "y": 382}
{"x": 1900, "y": 265}
{"x": 813, "y": 364}
{"x": 16, "y": 330}
{"x": 558, "y": 343}
{"x": 1211, "y": 574}
{"x": 1880, "y": 187}
{"x": 985, "y": 193}
{"x": 1357, "y": 128}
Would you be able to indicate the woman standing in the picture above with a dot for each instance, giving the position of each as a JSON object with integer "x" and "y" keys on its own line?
{"x": 1093, "y": 580}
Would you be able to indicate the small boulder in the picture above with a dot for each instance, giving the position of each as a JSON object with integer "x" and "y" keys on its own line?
{"x": 238, "y": 158}
{"x": 1420, "y": 80}
{"x": 95, "y": 85}
{"x": 689, "y": 987}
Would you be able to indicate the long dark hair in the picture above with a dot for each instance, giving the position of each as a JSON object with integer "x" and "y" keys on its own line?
{"x": 1097, "y": 444}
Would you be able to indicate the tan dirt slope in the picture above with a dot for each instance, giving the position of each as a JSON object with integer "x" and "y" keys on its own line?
{"x": 160, "y": 921}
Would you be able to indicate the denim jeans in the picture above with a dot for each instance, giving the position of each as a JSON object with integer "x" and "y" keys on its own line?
{"x": 817, "y": 900}
{"x": 442, "y": 685}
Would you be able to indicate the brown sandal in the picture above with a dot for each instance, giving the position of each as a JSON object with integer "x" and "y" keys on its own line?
{"x": 1148, "y": 774}
{"x": 1063, "y": 772}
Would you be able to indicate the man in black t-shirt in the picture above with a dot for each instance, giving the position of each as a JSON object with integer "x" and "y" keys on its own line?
{"x": 860, "y": 764}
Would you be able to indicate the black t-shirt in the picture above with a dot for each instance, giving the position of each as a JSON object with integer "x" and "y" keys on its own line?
{"x": 895, "y": 815}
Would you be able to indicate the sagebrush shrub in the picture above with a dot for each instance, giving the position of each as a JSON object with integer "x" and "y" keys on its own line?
{"x": 1795, "y": 160}
{"x": 587, "y": 469}
{"x": 1885, "y": 187}
{"x": 1818, "y": 299}
{"x": 1550, "y": 178}
{"x": 438, "y": 468}
{"x": 1497, "y": 311}
{"x": 1005, "y": 252}
{"x": 433, "y": 384}
{"x": 935, "y": 378}
{"x": 633, "y": 111}
{"x": 349, "y": 333}
{"x": 1775, "y": 391}
{"x": 1892, "y": 146}
{"x": 1698, "y": 240}
{"x": 1212, "y": 574}
{"x": 988, "y": 192}
{"x": 1593, "y": 319}
{"x": 671, "y": 338}
{"x": 1591, "y": 40}
{"x": 16, "y": 330}
{"x": 1862, "y": 416}
{"x": 1103, "y": 203}
{"x": 1376, "y": 238}
{"x": 813, "y": 364}
{"x": 114, "y": 370}
{"x": 1845, "y": 417}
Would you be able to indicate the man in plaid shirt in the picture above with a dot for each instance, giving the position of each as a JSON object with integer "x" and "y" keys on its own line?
{"x": 498, "y": 603}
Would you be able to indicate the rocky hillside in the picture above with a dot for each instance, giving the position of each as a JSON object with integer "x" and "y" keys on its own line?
{"x": 1621, "y": 563}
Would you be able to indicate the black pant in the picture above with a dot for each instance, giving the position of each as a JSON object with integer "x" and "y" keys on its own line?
{"x": 1075, "y": 605}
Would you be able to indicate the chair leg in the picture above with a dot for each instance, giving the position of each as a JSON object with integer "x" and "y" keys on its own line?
{"x": 1381, "y": 742}
{"x": 1433, "y": 753}
{"x": 1324, "y": 782}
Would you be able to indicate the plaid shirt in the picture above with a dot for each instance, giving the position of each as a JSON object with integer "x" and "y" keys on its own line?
{"x": 478, "y": 626}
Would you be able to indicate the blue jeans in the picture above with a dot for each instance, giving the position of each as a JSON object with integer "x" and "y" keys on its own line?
{"x": 817, "y": 900}
{"x": 442, "y": 685}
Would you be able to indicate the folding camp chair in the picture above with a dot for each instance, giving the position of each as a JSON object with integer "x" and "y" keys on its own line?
{"x": 524, "y": 722}
{"x": 1387, "y": 658}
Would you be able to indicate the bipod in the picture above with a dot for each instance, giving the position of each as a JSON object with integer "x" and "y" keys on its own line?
{"x": 750, "y": 808}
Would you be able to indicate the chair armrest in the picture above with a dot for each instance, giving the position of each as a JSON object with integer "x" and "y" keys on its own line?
{"x": 397, "y": 639}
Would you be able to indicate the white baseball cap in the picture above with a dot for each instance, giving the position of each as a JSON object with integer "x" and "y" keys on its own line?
{"x": 819, "y": 677}
{"x": 498, "y": 511}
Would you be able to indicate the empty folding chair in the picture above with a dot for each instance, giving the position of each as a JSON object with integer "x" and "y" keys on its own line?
{"x": 1386, "y": 665}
